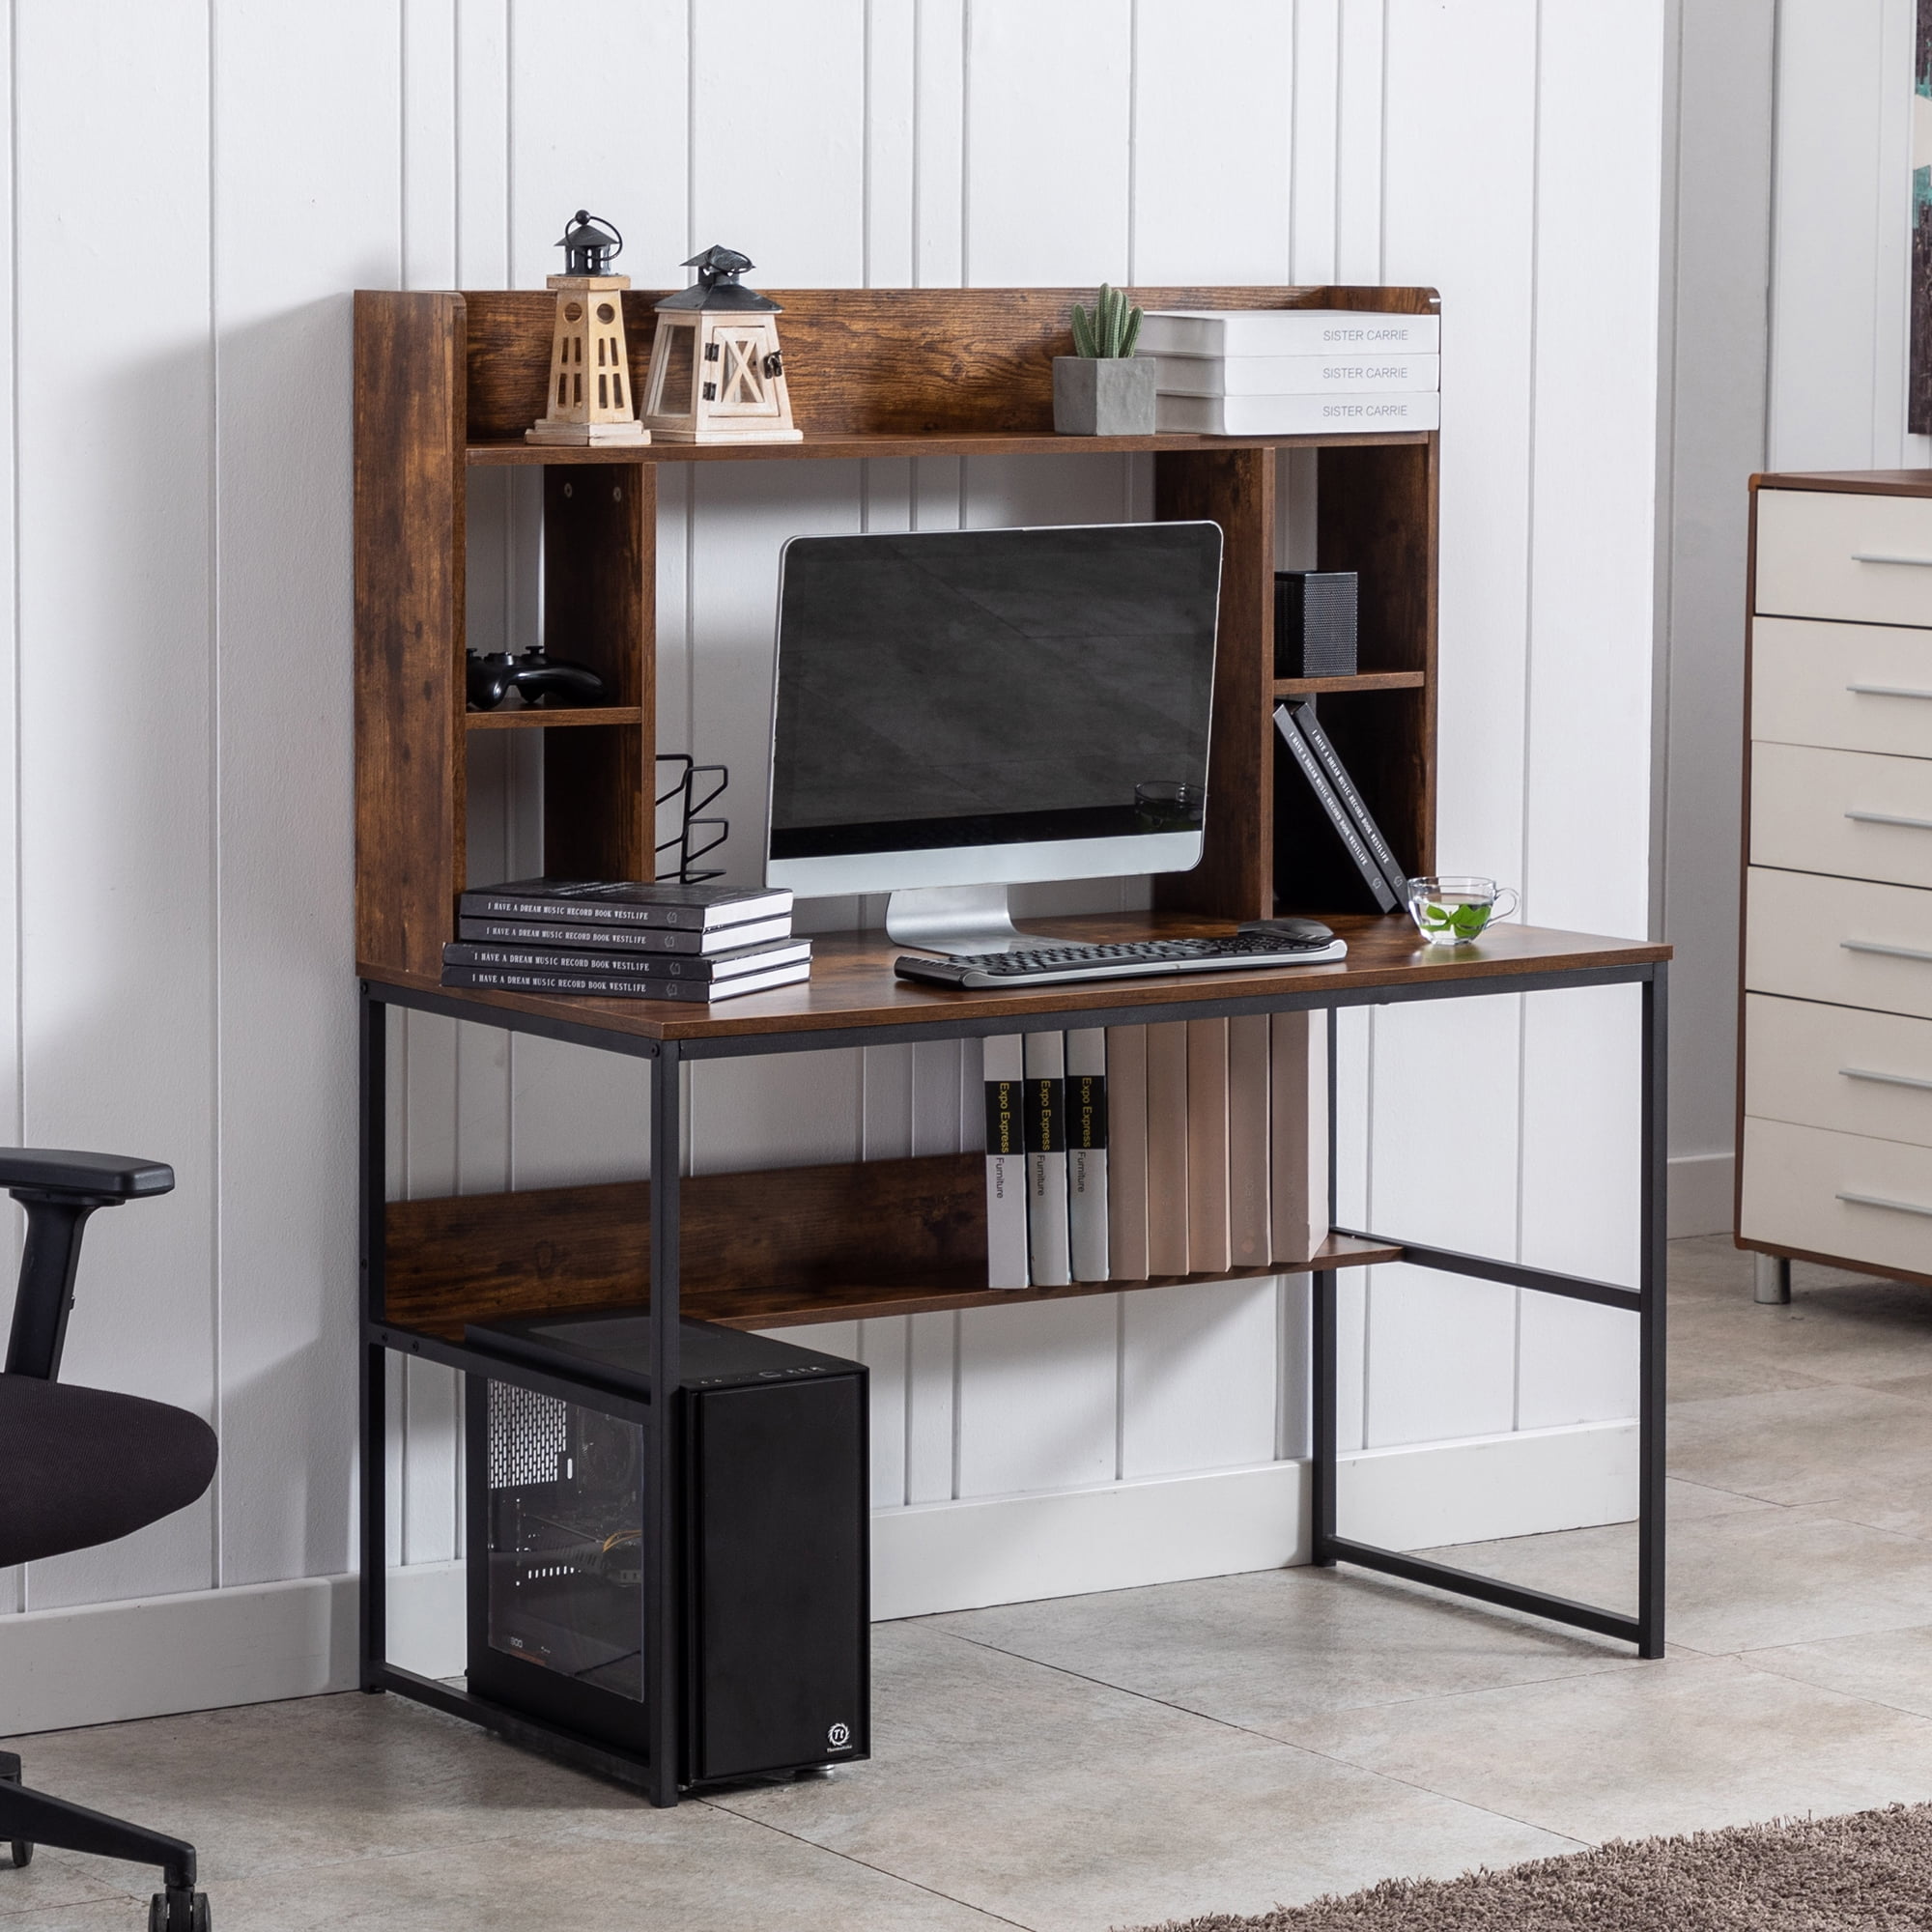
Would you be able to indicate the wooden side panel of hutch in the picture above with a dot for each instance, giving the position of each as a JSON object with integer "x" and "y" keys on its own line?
{"x": 1236, "y": 488}
{"x": 411, "y": 379}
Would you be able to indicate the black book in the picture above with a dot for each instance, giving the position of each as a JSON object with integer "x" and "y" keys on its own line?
{"x": 1320, "y": 860}
{"x": 624, "y": 902}
{"x": 624, "y": 941}
{"x": 622, "y": 986}
{"x": 714, "y": 968}
{"x": 1303, "y": 714}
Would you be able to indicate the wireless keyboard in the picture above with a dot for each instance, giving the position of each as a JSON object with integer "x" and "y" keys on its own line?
{"x": 1048, "y": 964}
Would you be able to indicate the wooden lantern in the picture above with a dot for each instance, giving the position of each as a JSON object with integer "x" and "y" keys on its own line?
{"x": 591, "y": 399}
{"x": 717, "y": 371}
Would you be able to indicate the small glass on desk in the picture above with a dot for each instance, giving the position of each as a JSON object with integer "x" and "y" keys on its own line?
{"x": 1451, "y": 909}
{"x": 1165, "y": 805}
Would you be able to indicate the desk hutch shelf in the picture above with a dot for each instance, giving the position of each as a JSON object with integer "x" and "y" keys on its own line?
{"x": 448, "y": 382}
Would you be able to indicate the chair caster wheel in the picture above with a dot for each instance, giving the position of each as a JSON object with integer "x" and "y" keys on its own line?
{"x": 24, "y": 1854}
{"x": 180, "y": 1912}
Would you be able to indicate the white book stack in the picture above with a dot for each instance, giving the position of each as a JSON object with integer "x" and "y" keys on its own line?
{"x": 1292, "y": 371}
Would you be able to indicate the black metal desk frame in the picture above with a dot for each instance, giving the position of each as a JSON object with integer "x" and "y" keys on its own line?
{"x": 655, "y": 1769}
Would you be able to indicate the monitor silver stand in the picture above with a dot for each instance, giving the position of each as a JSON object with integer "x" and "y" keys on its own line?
{"x": 957, "y": 921}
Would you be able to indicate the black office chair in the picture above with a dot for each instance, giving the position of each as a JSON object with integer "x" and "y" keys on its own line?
{"x": 80, "y": 1466}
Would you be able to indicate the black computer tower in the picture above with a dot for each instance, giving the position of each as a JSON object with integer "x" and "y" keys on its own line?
{"x": 772, "y": 1496}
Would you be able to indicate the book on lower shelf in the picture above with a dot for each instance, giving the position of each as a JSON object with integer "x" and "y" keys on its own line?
{"x": 1005, "y": 1075}
{"x": 1249, "y": 1067}
{"x": 1127, "y": 1153}
{"x": 1166, "y": 1147}
{"x": 1297, "y": 1134}
{"x": 1207, "y": 1147}
{"x": 1087, "y": 1155}
{"x": 1045, "y": 1132}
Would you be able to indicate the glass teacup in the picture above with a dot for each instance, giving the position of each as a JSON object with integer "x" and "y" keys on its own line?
{"x": 1166, "y": 804}
{"x": 1452, "y": 911}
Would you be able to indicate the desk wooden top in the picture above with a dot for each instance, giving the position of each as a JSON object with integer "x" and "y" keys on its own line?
{"x": 852, "y": 983}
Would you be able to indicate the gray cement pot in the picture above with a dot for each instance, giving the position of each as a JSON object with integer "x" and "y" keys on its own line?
{"x": 1103, "y": 396}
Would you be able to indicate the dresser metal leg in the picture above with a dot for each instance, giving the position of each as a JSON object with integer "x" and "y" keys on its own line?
{"x": 1770, "y": 1278}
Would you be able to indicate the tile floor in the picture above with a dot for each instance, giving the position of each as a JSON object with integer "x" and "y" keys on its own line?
{"x": 1117, "y": 1760}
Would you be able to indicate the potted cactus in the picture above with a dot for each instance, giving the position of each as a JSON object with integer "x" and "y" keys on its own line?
{"x": 1104, "y": 389}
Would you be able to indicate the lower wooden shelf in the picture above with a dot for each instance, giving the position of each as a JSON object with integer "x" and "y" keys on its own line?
{"x": 760, "y": 1250}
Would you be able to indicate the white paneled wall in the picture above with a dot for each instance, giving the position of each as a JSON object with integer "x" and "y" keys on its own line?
{"x": 1790, "y": 257}
{"x": 221, "y": 174}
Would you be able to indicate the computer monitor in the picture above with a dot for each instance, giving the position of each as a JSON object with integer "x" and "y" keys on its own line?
{"x": 958, "y": 711}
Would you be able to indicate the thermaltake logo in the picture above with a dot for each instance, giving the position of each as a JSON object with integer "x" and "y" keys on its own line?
{"x": 838, "y": 1736}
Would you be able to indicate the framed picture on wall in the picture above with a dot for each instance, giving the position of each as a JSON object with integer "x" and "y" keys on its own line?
{"x": 1919, "y": 407}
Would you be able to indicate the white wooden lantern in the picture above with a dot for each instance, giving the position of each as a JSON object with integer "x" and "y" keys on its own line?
{"x": 591, "y": 399}
{"x": 717, "y": 371}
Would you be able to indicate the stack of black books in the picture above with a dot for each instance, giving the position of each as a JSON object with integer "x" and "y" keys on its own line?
{"x": 624, "y": 939}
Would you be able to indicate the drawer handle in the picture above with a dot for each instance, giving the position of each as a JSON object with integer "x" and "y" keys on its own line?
{"x": 1889, "y": 556}
{"x": 1888, "y": 691}
{"x": 1890, "y": 951}
{"x": 1887, "y": 1079}
{"x": 1878, "y": 1201}
{"x": 1891, "y": 818}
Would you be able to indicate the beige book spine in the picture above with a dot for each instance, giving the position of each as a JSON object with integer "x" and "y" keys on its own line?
{"x": 1299, "y": 1135}
{"x": 1167, "y": 1147}
{"x": 1248, "y": 1176}
{"x": 1208, "y": 1251}
{"x": 1127, "y": 1153}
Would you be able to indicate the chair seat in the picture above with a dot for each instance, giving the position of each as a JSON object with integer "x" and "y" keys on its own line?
{"x": 84, "y": 1466}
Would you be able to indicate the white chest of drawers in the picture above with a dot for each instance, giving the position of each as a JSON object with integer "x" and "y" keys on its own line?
{"x": 1835, "y": 1128}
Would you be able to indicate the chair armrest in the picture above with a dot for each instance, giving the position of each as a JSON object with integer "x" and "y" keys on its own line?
{"x": 101, "y": 1177}
{"x": 60, "y": 1188}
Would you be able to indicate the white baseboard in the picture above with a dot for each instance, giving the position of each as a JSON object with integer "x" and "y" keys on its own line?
{"x": 1006, "y": 1549}
{"x": 254, "y": 1643}
{"x": 1010, "y": 1550}
{"x": 201, "y": 1650}
{"x": 1528, "y": 1484}
{"x": 1701, "y": 1193}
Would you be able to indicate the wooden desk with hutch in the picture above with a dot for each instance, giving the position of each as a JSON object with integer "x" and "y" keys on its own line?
{"x": 446, "y": 382}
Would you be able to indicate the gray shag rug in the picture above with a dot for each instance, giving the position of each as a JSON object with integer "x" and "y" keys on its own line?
{"x": 1870, "y": 1871}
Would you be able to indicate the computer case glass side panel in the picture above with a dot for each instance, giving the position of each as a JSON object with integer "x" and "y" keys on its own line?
{"x": 556, "y": 1559}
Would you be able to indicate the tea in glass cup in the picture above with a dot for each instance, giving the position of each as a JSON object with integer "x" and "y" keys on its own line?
{"x": 1453, "y": 911}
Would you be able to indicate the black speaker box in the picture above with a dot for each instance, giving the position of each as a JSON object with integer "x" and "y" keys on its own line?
{"x": 1315, "y": 613}
{"x": 773, "y": 1497}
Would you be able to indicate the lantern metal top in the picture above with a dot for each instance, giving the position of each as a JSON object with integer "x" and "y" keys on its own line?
{"x": 718, "y": 285}
{"x": 589, "y": 244}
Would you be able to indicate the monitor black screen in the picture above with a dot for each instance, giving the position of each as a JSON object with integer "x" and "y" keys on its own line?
{"x": 988, "y": 687}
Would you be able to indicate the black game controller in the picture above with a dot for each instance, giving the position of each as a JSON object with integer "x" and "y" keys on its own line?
{"x": 535, "y": 678}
